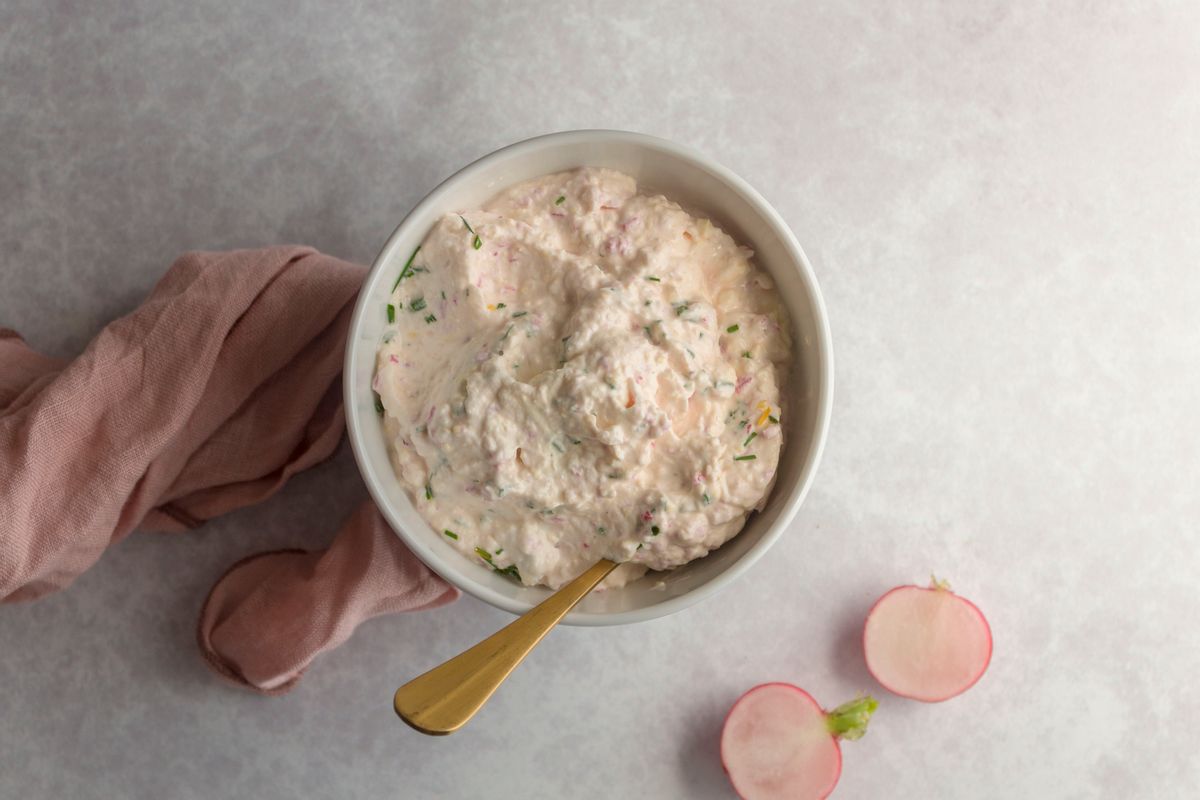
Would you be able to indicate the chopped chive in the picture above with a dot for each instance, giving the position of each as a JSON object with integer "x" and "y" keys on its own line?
{"x": 640, "y": 546}
{"x": 519, "y": 314}
{"x": 430, "y": 318}
{"x": 745, "y": 458}
{"x": 510, "y": 570}
{"x": 443, "y": 295}
{"x": 705, "y": 498}
{"x": 652, "y": 278}
{"x": 417, "y": 305}
{"x": 506, "y": 333}
{"x": 406, "y": 272}
{"x": 499, "y": 550}
{"x": 557, "y": 447}
{"x": 601, "y": 529}
{"x": 746, "y": 354}
{"x": 484, "y": 554}
{"x": 679, "y": 309}
{"x": 562, "y": 198}
{"x": 576, "y": 441}
{"x": 500, "y": 306}
{"x": 749, "y": 439}
{"x": 378, "y": 403}
{"x": 476, "y": 242}
{"x": 451, "y": 534}
{"x": 428, "y": 492}
{"x": 732, "y": 329}
{"x": 654, "y": 531}
{"x": 773, "y": 420}
{"x": 391, "y": 313}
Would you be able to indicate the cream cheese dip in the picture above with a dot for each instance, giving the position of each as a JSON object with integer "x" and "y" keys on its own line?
{"x": 578, "y": 371}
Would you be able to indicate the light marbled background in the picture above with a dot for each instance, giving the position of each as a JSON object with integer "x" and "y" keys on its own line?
{"x": 1003, "y": 206}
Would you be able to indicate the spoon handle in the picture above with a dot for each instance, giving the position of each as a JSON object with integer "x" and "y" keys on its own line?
{"x": 444, "y": 698}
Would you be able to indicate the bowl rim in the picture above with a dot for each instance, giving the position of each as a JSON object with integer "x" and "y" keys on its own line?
{"x": 824, "y": 398}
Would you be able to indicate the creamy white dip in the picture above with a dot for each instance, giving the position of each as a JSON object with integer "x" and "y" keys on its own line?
{"x": 578, "y": 371}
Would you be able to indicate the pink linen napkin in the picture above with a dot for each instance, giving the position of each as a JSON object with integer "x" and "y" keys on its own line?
{"x": 224, "y": 383}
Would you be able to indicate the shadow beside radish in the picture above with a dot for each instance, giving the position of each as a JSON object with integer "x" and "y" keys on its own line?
{"x": 700, "y": 753}
{"x": 846, "y": 655}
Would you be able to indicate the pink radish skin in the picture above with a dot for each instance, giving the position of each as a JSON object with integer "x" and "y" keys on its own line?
{"x": 778, "y": 743}
{"x": 927, "y": 644}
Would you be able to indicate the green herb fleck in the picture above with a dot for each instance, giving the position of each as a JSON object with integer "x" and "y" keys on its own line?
{"x": 732, "y": 329}
{"x": 745, "y": 458}
{"x": 557, "y": 447}
{"x": 576, "y": 441}
{"x": 506, "y": 333}
{"x": 476, "y": 242}
{"x": 499, "y": 550}
{"x": 562, "y": 198}
{"x": 391, "y": 313}
{"x": 610, "y": 384}
{"x": 519, "y": 314}
{"x": 705, "y": 498}
{"x": 640, "y": 546}
{"x": 511, "y": 570}
{"x": 378, "y": 403}
{"x": 430, "y": 318}
{"x": 772, "y": 420}
{"x": 484, "y": 554}
{"x": 653, "y": 278}
{"x": 451, "y": 534}
{"x": 746, "y": 354}
{"x": 749, "y": 439}
{"x": 428, "y": 492}
{"x": 500, "y": 306}
{"x": 680, "y": 309}
{"x": 417, "y": 305}
{"x": 407, "y": 271}
{"x": 654, "y": 531}
{"x": 601, "y": 529}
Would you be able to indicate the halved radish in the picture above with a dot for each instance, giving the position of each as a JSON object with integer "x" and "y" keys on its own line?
{"x": 778, "y": 743}
{"x": 926, "y": 644}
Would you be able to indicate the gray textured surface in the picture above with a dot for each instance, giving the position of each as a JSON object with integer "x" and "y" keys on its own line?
{"x": 1003, "y": 210}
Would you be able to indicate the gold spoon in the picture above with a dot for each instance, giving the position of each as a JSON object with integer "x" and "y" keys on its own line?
{"x": 444, "y": 698}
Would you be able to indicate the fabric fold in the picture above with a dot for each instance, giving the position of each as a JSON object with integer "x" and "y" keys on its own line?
{"x": 208, "y": 397}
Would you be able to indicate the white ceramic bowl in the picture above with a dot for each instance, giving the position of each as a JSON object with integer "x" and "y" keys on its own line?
{"x": 702, "y": 186}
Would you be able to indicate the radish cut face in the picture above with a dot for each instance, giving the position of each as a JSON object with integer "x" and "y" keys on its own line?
{"x": 777, "y": 744}
{"x": 926, "y": 644}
